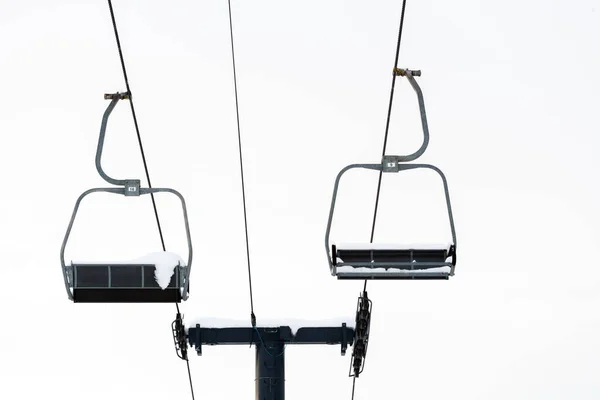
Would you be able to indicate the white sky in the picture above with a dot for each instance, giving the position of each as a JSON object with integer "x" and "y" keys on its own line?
{"x": 512, "y": 94}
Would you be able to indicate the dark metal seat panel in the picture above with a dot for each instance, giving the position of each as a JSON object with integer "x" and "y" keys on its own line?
{"x": 132, "y": 276}
{"x": 91, "y": 276}
{"x": 124, "y": 276}
{"x": 405, "y": 259}
{"x": 120, "y": 295}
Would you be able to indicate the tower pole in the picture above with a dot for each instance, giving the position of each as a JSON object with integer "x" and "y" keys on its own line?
{"x": 270, "y": 371}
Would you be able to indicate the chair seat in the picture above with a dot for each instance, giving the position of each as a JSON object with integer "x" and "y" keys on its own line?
{"x": 122, "y": 283}
{"x": 409, "y": 259}
{"x": 375, "y": 261}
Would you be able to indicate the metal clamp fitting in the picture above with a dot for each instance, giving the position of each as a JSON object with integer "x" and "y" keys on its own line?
{"x": 119, "y": 96}
{"x": 404, "y": 72}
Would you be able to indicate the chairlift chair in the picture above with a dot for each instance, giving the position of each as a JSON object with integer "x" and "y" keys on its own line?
{"x": 120, "y": 282}
{"x": 377, "y": 261}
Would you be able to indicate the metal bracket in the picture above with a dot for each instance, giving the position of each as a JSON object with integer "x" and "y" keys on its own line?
{"x": 198, "y": 342}
{"x": 404, "y": 72}
{"x": 69, "y": 274}
{"x": 182, "y": 274}
{"x": 452, "y": 253}
{"x": 344, "y": 339}
{"x": 390, "y": 164}
{"x": 132, "y": 187}
{"x": 118, "y": 96}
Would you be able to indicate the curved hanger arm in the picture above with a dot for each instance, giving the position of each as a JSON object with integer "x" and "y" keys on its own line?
{"x": 410, "y": 76}
{"x": 115, "y": 98}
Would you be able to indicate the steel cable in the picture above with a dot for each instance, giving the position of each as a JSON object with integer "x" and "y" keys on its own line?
{"x": 137, "y": 130}
{"x": 237, "y": 115}
{"x": 385, "y": 138}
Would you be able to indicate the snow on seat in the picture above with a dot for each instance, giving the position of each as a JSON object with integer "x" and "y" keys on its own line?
{"x": 392, "y": 261}
{"x": 154, "y": 278}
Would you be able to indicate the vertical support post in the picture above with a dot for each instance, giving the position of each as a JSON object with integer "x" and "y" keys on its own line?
{"x": 270, "y": 371}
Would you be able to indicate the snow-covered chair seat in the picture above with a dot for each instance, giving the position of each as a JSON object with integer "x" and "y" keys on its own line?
{"x": 388, "y": 261}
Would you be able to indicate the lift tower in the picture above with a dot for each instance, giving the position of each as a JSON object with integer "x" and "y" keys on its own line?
{"x": 270, "y": 343}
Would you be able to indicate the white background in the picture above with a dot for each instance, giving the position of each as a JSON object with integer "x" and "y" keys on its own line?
{"x": 512, "y": 95}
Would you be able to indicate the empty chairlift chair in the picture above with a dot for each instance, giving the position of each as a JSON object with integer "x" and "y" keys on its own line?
{"x": 145, "y": 280}
{"x": 399, "y": 261}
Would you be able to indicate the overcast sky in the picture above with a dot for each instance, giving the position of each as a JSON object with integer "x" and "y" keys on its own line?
{"x": 512, "y": 95}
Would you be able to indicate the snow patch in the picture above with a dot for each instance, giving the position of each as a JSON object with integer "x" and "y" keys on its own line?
{"x": 164, "y": 265}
